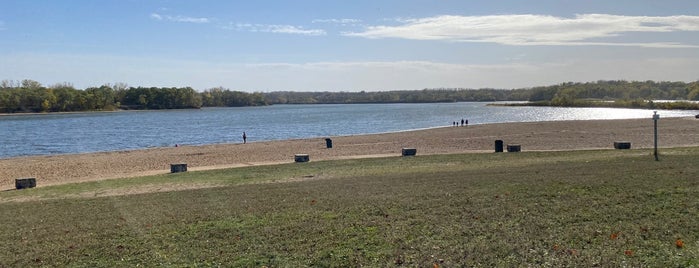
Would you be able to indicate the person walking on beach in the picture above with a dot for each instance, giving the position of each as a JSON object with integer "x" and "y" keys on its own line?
{"x": 245, "y": 138}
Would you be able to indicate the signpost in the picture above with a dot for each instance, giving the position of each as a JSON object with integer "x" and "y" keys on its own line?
{"x": 656, "y": 116}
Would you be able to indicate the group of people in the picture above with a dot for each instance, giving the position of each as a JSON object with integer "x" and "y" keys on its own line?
{"x": 463, "y": 123}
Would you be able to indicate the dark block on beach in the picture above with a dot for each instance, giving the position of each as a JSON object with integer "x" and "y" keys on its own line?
{"x": 174, "y": 168}
{"x": 622, "y": 145}
{"x": 409, "y": 151}
{"x": 328, "y": 143}
{"x": 513, "y": 148}
{"x": 25, "y": 183}
{"x": 300, "y": 158}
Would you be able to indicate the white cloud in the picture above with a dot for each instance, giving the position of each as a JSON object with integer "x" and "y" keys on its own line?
{"x": 535, "y": 29}
{"x": 185, "y": 19}
{"x": 343, "y": 22}
{"x": 340, "y": 21}
{"x": 156, "y": 16}
{"x": 274, "y": 28}
{"x": 399, "y": 19}
{"x": 247, "y": 27}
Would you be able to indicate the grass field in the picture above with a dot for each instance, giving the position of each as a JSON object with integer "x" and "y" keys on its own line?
{"x": 605, "y": 208}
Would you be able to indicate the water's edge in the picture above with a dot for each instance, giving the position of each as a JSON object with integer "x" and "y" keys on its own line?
{"x": 87, "y": 132}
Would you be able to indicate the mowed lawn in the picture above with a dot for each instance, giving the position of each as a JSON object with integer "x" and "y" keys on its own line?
{"x": 605, "y": 208}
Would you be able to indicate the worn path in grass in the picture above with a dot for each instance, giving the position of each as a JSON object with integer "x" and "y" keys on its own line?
{"x": 558, "y": 135}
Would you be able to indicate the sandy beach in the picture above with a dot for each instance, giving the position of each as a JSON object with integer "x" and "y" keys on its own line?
{"x": 534, "y": 136}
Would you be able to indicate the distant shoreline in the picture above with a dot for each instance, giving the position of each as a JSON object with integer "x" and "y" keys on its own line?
{"x": 622, "y": 104}
{"x": 585, "y": 104}
{"x": 87, "y": 112}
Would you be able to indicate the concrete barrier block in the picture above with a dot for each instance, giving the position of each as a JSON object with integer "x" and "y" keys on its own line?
{"x": 25, "y": 183}
{"x": 300, "y": 158}
{"x": 179, "y": 167}
{"x": 408, "y": 152}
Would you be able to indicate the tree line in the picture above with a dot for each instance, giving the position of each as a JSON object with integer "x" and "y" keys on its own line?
{"x": 28, "y": 96}
{"x": 561, "y": 94}
{"x": 31, "y": 96}
{"x": 616, "y": 90}
{"x": 618, "y": 94}
{"x": 398, "y": 96}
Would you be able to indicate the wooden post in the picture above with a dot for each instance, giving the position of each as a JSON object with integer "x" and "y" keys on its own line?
{"x": 175, "y": 168}
{"x": 25, "y": 183}
{"x": 656, "y": 116}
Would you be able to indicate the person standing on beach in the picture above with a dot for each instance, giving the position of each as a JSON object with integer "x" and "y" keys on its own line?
{"x": 245, "y": 138}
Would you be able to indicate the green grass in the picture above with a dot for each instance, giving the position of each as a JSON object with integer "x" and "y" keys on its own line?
{"x": 583, "y": 208}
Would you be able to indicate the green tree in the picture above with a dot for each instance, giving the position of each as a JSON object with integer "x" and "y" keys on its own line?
{"x": 693, "y": 90}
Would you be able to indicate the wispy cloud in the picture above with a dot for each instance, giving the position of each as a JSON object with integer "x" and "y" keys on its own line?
{"x": 584, "y": 29}
{"x": 344, "y": 22}
{"x": 244, "y": 27}
{"x": 274, "y": 28}
{"x": 185, "y": 19}
{"x": 399, "y": 19}
{"x": 2, "y": 25}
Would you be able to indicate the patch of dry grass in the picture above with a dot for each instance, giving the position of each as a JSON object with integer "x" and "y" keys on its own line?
{"x": 584, "y": 208}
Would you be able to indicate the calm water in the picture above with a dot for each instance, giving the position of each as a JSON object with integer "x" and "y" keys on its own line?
{"x": 47, "y": 134}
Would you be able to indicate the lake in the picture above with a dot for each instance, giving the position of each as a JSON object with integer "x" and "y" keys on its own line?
{"x": 49, "y": 134}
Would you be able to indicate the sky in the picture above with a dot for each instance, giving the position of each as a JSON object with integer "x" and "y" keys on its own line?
{"x": 358, "y": 45}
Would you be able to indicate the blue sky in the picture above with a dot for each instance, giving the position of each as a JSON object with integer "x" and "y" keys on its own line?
{"x": 356, "y": 45}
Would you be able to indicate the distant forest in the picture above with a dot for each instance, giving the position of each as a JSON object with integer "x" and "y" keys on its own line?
{"x": 28, "y": 96}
